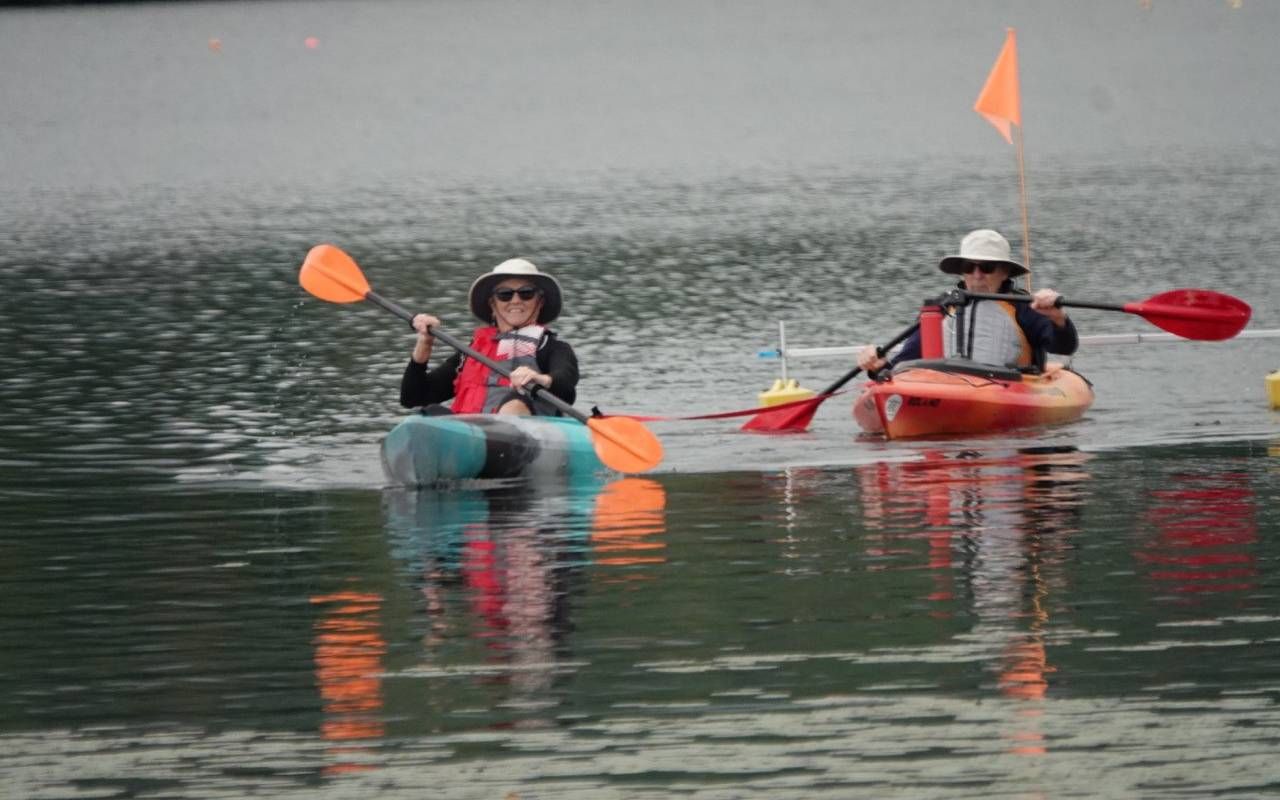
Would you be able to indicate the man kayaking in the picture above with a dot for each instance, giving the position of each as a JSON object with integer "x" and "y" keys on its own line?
{"x": 992, "y": 331}
{"x": 515, "y": 301}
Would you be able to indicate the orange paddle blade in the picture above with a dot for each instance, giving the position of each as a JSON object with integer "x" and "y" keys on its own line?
{"x": 793, "y": 418}
{"x": 625, "y": 444}
{"x": 331, "y": 274}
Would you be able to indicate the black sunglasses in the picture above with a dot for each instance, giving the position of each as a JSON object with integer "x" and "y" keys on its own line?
{"x": 987, "y": 267}
{"x": 525, "y": 292}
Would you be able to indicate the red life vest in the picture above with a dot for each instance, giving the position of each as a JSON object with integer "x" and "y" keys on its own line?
{"x": 478, "y": 389}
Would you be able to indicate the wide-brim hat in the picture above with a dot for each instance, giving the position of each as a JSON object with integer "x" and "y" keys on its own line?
{"x": 982, "y": 245}
{"x": 482, "y": 288}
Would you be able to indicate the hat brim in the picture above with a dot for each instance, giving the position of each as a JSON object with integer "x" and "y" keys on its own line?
{"x": 954, "y": 265}
{"x": 482, "y": 288}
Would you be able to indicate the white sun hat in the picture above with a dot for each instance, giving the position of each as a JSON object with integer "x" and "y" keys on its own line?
{"x": 482, "y": 288}
{"x": 983, "y": 244}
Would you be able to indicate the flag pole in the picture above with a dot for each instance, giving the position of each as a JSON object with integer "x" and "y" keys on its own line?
{"x": 1026, "y": 226}
{"x": 1000, "y": 102}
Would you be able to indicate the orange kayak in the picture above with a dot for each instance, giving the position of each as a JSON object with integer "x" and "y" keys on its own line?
{"x": 959, "y": 397}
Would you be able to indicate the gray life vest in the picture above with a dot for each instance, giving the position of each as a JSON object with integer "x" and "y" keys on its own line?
{"x": 517, "y": 348}
{"x": 986, "y": 331}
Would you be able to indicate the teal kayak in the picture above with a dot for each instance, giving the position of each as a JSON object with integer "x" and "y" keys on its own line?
{"x": 424, "y": 450}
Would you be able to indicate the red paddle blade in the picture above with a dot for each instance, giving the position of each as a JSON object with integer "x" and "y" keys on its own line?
{"x": 1195, "y": 313}
{"x": 331, "y": 274}
{"x": 793, "y": 418}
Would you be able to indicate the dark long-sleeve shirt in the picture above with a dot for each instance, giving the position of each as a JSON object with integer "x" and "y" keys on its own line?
{"x": 424, "y": 385}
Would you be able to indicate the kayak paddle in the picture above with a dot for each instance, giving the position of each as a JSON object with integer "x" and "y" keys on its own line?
{"x": 797, "y": 416}
{"x": 623, "y": 444}
{"x": 1189, "y": 313}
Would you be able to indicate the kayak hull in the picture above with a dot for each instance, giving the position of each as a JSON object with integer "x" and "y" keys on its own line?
{"x": 427, "y": 450}
{"x": 951, "y": 397}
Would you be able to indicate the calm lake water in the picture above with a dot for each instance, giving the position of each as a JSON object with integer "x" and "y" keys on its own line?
{"x": 210, "y": 591}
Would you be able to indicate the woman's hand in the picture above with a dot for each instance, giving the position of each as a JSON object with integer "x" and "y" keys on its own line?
{"x": 422, "y": 323}
{"x": 521, "y": 377}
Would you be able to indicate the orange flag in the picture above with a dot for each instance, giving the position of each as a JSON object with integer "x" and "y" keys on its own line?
{"x": 999, "y": 100}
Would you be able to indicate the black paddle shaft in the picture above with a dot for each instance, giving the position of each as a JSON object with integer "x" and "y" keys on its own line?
{"x": 1026, "y": 298}
{"x": 534, "y": 389}
{"x": 395, "y": 308}
{"x": 880, "y": 351}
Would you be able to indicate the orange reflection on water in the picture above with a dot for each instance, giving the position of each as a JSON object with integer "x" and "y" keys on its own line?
{"x": 1024, "y": 670}
{"x": 1023, "y": 667}
{"x": 629, "y": 518}
{"x": 1205, "y": 528}
{"x": 349, "y": 649}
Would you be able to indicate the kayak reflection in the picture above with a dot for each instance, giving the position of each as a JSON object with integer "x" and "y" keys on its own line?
{"x": 1203, "y": 530}
{"x": 999, "y": 525}
{"x": 499, "y": 571}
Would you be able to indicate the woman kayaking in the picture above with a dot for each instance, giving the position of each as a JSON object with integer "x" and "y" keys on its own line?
{"x": 515, "y": 301}
{"x": 992, "y": 331}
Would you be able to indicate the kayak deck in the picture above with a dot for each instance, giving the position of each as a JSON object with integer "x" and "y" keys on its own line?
{"x": 941, "y": 397}
{"x": 424, "y": 450}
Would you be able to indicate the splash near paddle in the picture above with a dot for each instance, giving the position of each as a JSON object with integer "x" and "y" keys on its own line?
{"x": 622, "y": 444}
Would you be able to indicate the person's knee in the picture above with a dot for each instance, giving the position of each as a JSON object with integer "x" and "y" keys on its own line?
{"x": 514, "y": 406}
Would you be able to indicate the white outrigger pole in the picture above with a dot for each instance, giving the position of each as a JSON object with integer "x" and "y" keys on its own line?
{"x": 783, "y": 352}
